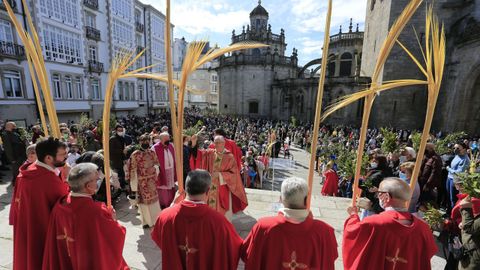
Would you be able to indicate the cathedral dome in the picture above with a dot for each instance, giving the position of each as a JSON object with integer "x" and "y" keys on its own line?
{"x": 259, "y": 10}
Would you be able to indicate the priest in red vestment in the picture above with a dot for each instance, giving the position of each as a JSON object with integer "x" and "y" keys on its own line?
{"x": 227, "y": 194}
{"x": 38, "y": 189}
{"x": 167, "y": 175}
{"x": 82, "y": 233}
{"x": 292, "y": 239}
{"x": 193, "y": 236}
{"x": 391, "y": 240}
{"x": 230, "y": 145}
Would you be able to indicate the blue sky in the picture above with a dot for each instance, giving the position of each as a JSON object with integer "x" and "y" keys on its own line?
{"x": 303, "y": 20}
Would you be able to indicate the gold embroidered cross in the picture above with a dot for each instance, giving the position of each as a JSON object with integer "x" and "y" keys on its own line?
{"x": 293, "y": 264}
{"x": 66, "y": 238}
{"x": 186, "y": 248}
{"x": 396, "y": 259}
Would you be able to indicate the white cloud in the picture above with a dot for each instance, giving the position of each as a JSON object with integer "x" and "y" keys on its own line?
{"x": 310, "y": 46}
{"x": 309, "y": 15}
{"x": 202, "y": 17}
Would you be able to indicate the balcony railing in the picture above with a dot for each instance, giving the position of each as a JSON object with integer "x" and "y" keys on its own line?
{"x": 93, "y": 4}
{"x": 95, "y": 67}
{"x": 13, "y": 5}
{"x": 92, "y": 33}
{"x": 139, "y": 27}
{"x": 10, "y": 49}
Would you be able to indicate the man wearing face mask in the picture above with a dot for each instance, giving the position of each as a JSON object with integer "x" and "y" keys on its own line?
{"x": 167, "y": 175}
{"x": 143, "y": 176}
{"x": 407, "y": 154}
{"x": 98, "y": 242}
{"x": 38, "y": 188}
{"x": 117, "y": 154}
{"x": 14, "y": 148}
{"x": 460, "y": 163}
{"x": 393, "y": 239}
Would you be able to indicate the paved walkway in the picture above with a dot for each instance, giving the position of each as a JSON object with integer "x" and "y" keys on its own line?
{"x": 140, "y": 251}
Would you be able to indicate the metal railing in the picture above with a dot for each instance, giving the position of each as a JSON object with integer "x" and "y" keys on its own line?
{"x": 92, "y": 33}
{"x": 10, "y": 49}
{"x": 94, "y": 66}
{"x": 93, "y": 4}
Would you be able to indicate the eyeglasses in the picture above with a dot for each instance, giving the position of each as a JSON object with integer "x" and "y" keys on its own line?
{"x": 380, "y": 192}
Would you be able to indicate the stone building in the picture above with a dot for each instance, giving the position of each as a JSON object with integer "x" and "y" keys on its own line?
{"x": 266, "y": 83}
{"x": 458, "y": 106}
{"x": 245, "y": 76}
{"x": 79, "y": 40}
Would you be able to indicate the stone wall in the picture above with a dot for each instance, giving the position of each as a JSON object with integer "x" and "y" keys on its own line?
{"x": 245, "y": 83}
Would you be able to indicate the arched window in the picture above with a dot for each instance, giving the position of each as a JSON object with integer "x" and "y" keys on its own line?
{"x": 256, "y": 52}
{"x": 372, "y": 6}
{"x": 253, "y": 107}
{"x": 346, "y": 64}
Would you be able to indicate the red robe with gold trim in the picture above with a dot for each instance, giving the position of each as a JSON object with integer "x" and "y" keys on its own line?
{"x": 83, "y": 235}
{"x": 218, "y": 196}
{"x": 195, "y": 237}
{"x": 277, "y": 243}
{"x": 382, "y": 242}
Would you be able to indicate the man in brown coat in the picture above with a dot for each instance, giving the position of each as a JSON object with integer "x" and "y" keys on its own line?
{"x": 430, "y": 173}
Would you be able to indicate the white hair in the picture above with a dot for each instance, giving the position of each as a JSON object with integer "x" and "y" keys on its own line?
{"x": 219, "y": 138}
{"x": 411, "y": 151}
{"x": 80, "y": 175}
{"x": 294, "y": 190}
{"x": 397, "y": 188}
{"x": 163, "y": 134}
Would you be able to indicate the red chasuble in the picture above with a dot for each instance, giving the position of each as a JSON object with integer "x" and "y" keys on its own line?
{"x": 196, "y": 237}
{"x": 36, "y": 192}
{"x": 382, "y": 242}
{"x": 13, "y": 209}
{"x": 83, "y": 235}
{"x": 276, "y": 243}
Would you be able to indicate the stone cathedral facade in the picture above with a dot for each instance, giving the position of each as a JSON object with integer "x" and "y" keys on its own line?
{"x": 267, "y": 83}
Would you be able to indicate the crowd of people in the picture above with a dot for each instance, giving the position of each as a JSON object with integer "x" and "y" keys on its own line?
{"x": 61, "y": 182}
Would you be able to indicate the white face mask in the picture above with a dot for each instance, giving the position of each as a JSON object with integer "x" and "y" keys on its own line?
{"x": 373, "y": 165}
{"x": 402, "y": 159}
{"x": 121, "y": 134}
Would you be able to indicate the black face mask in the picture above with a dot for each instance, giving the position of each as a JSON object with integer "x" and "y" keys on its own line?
{"x": 145, "y": 145}
{"x": 166, "y": 143}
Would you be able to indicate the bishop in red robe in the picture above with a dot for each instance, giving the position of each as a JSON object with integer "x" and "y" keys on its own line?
{"x": 227, "y": 194}
{"x": 38, "y": 189}
{"x": 82, "y": 233}
{"x": 292, "y": 239}
{"x": 193, "y": 236}
{"x": 391, "y": 240}
{"x": 231, "y": 146}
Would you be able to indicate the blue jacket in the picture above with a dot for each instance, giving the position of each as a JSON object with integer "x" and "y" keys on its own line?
{"x": 459, "y": 164}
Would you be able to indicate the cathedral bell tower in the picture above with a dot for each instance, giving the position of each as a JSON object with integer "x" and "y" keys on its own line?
{"x": 259, "y": 18}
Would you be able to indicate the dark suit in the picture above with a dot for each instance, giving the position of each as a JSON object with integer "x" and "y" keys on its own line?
{"x": 117, "y": 156}
{"x": 15, "y": 150}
